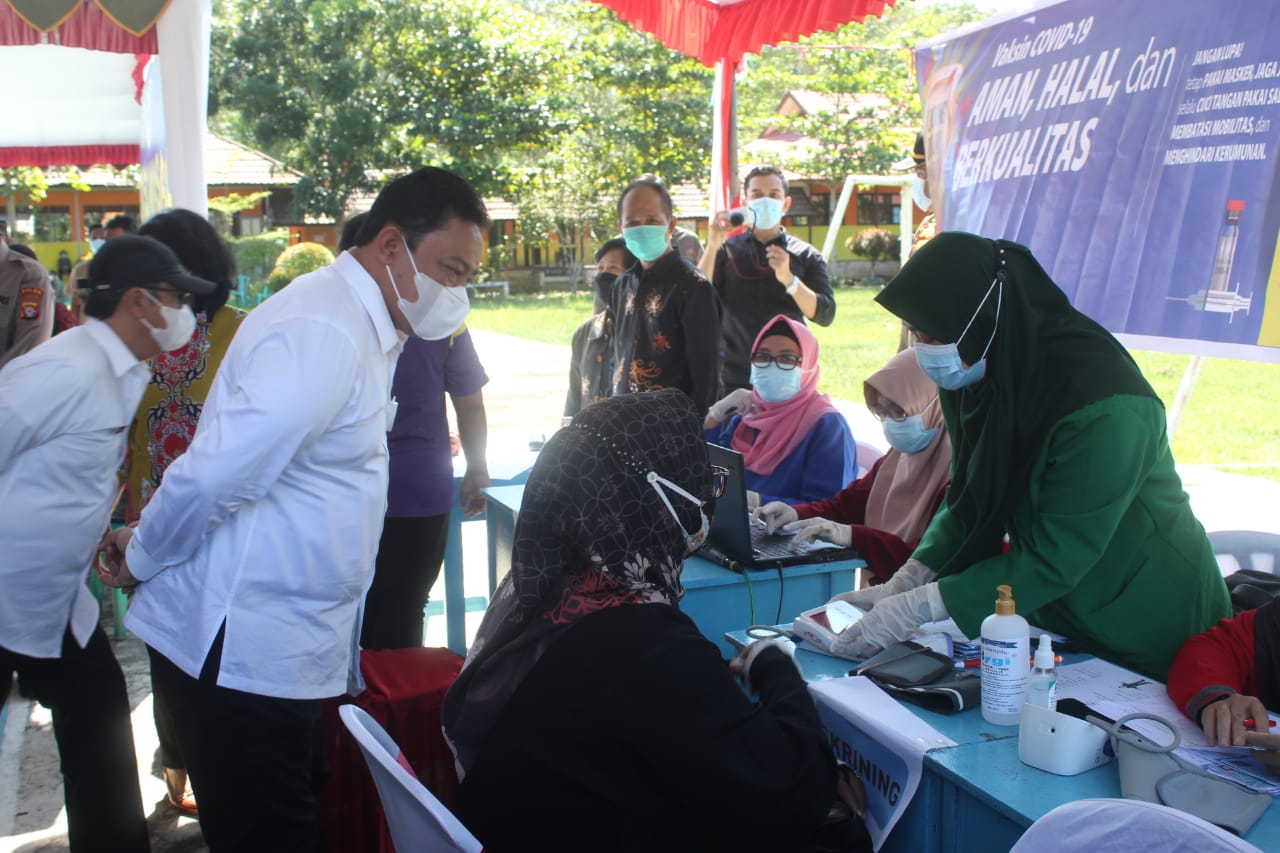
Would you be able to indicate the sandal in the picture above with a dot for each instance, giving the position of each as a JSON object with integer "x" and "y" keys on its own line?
{"x": 179, "y": 795}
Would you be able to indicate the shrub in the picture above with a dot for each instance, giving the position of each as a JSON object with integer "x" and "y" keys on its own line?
{"x": 874, "y": 244}
{"x": 256, "y": 254}
{"x": 298, "y": 259}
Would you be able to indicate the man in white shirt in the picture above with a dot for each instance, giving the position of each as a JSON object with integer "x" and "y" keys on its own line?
{"x": 65, "y": 408}
{"x": 253, "y": 555}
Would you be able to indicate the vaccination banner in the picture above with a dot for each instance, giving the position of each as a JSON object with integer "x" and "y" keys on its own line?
{"x": 1133, "y": 147}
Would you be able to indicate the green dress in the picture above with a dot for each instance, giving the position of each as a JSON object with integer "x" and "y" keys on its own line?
{"x": 1061, "y": 445}
{"x": 1104, "y": 548}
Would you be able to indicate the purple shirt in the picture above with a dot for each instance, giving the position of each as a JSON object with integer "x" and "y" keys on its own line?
{"x": 421, "y": 464}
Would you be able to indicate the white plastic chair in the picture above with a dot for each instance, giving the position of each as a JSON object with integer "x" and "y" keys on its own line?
{"x": 1249, "y": 549}
{"x": 418, "y": 821}
{"x": 868, "y": 454}
{"x": 1121, "y": 826}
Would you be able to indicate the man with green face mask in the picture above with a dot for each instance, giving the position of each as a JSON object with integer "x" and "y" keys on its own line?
{"x": 763, "y": 271}
{"x": 666, "y": 316}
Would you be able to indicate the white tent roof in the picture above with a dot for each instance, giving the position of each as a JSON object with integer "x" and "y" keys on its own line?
{"x": 58, "y": 96}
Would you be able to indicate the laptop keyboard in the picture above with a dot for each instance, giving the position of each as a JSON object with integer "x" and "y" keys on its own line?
{"x": 772, "y": 545}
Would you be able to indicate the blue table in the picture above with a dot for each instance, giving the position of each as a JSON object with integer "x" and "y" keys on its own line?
{"x": 977, "y": 796}
{"x": 504, "y": 468}
{"x": 716, "y": 599}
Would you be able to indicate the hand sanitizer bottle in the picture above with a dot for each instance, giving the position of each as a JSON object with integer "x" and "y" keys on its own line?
{"x": 1006, "y": 661}
{"x": 1042, "y": 688}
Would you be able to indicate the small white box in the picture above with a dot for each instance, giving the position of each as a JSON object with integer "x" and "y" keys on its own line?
{"x": 1060, "y": 743}
{"x": 821, "y": 625}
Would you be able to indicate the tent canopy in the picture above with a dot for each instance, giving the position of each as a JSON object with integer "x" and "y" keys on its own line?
{"x": 714, "y": 31}
{"x": 86, "y": 64}
{"x": 718, "y": 33}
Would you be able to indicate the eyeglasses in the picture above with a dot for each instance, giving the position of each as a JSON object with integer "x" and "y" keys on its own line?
{"x": 894, "y": 414}
{"x": 786, "y": 361}
{"x": 719, "y": 479}
{"x": 184, "y": 298}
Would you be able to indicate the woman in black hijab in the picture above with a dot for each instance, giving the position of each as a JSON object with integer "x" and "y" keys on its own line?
{"x": 591, "y": 714}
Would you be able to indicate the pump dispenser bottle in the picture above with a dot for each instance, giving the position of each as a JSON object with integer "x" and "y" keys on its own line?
{"x": 1042, "y": 688}
{"x": 1006, "y": 661}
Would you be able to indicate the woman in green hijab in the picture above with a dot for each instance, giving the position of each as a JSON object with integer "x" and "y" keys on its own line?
{"x": 1059, "y": 442}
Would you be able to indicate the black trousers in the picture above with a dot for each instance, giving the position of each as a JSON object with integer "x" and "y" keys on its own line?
{"x": 256, "y": 763}
{"x": 86, "y": 692}
{"x": 409, "y": 557}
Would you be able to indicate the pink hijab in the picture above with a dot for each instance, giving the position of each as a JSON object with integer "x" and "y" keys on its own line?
{"x": 767, "y": 436}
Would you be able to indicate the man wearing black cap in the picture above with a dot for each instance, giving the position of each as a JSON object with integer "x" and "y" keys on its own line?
{"x": 65, "y": 409}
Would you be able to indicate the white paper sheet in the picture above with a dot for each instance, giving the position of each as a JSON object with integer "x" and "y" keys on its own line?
{"x": 1114, "y": 691}
{"x": 883, "y": 741}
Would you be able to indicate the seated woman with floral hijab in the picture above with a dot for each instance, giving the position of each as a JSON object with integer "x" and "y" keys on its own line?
{"x": 591, "y": 714}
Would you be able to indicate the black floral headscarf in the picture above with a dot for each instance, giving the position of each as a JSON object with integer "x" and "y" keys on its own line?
{"x": 592, "y": 534}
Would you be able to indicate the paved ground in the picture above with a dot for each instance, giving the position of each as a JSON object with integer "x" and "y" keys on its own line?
{"x": 524, "y": 400}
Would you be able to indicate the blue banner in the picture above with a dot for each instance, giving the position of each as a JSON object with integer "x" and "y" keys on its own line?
{"x": 1132, "y": 145}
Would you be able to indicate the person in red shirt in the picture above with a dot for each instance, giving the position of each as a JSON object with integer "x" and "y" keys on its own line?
{"x": 1230, "y": 674}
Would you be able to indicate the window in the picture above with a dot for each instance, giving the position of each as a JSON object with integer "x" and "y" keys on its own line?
{"x": 879, "y": 208}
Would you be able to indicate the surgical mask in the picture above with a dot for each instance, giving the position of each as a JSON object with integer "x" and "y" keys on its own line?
{"x": 775, "y": 385}
{"x": 95, "y": 245}
{"x": 768, "y": 212}
{"x": 693, "y": 541}
{"x": 603, "y": 284}
{"x": 438, "y": 311}
{"x": 909, "y": 435}
{"x": 942, "y": 362}
{"x": 179, "y": 324}
{"x": 646, "y": 242}
{"x": 921, "y": 200}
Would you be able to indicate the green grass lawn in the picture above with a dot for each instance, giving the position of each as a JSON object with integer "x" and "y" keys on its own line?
{"x": 1232, "y": 422}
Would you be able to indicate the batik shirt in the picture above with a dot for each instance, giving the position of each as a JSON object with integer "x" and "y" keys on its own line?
{"x": 171, "y": 405}
{"x": 666, "y": 331}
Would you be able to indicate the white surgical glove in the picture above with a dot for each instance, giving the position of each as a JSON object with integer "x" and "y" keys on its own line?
{"x": 912, "y": 574}
{"x": 893, "y": 620}
{"x": 753, "y": 500}
{"x": 808, "y": 529}
{"x": 739, "y": 401}
{"x": 774, "y": 514}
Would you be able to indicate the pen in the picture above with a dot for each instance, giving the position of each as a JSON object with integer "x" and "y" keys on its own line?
{"x": 1250, "y": 723}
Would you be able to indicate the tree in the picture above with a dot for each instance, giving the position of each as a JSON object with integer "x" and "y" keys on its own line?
{"x": 21, "y": 180}
{"x": 872, "y": 60}
{"x": 348, "y": 90}
{"x": 637, "y": 107}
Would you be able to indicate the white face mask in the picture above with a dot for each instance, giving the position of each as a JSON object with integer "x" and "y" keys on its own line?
{"x": 917, "y": 195}
{"x": 438, "y": 311}
{"x": 96, "y": 244}
{"x": 693, "y": 541}
{"x": 179, "y": 324}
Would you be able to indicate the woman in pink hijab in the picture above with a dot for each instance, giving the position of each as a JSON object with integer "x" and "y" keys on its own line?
{"x": 796, "y": 446}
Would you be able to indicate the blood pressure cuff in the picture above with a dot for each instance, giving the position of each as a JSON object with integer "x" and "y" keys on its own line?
{"x": 913, "y": 673}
